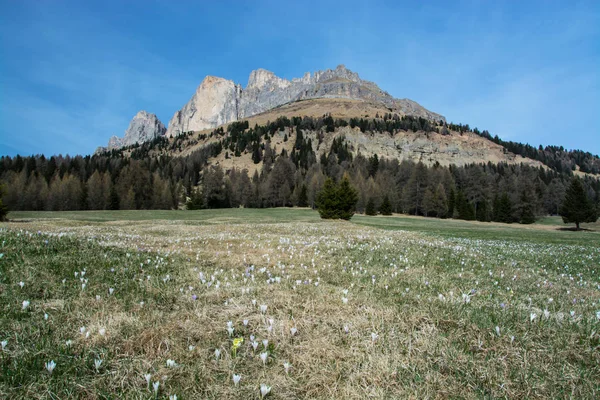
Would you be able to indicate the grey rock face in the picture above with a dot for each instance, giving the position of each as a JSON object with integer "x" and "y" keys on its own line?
{"x": 215, "y": 102}
{"x": 142, "y": 128}
{"x": 218, "y": 101}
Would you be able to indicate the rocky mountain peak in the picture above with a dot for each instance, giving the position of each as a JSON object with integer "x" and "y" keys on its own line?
{"x": 340, "y": 72}
{"x": 261, "y": 78}
{"x": 219, "y": 101}
{"x": 143, "y": 127}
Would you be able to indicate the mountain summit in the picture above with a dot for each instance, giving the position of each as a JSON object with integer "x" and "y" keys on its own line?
{"x": 143, "y": 127}
{"x": 218, "y": 101}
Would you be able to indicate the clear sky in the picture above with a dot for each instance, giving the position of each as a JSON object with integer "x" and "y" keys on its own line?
{"x": 72, "y": 74}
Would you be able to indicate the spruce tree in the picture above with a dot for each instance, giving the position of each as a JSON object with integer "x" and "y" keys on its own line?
{"x": 451, "y": 203}
{"x": 327, "y": 200}
{"x": 347, "y": 199}
{"x": 370, "y": 209}
{"x": 337, "y": 201}
{"x": 303, "y": 196}
{"x": 195, "y": 201}
{"x": 576, "y": 207}
{"x": 527, "y": 216}
{"x": 3, "y": 208}
{"x": 386, "y": 206}
{"x": 504, "y": 213}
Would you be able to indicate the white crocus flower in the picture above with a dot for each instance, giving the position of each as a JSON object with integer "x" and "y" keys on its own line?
{"x": 263, "y": 357}
{"x": 264, "y": 390}
{"x": 50, "y": 365}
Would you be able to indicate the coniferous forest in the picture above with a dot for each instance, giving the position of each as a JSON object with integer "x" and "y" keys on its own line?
{"x": 149, "y": 176}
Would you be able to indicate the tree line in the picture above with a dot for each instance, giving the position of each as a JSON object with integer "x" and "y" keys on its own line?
{"x": 146, "y": 176}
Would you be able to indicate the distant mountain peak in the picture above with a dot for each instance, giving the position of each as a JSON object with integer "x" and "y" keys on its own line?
{"x": 219, "y": 101}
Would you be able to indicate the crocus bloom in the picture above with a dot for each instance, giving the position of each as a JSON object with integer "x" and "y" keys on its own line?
{"x": 264, "y": 356}
{"x": 50, "y": 365}
{"x": 264, "y": 390}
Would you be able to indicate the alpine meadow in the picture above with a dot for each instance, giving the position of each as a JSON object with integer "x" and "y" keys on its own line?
{"x": 300, "y": 235}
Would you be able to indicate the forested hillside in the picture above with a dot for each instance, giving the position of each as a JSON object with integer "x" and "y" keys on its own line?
{"x": 154, "y": 175}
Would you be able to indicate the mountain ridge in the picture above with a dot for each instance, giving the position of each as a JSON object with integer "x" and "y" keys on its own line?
{"x": 218, "y": 101}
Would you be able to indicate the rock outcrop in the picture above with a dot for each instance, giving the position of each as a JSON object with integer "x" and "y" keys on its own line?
{"x": 143, "y": 127}
{"x": 215, "y": 102}
{"x": 218, "y": 101}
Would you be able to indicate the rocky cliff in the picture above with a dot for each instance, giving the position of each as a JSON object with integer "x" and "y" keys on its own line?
{"x": 143, "y": 127}
{"x": 218, "y": 101}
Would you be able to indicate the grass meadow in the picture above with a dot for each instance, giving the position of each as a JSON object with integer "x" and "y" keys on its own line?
{"x": 246, "y": 304}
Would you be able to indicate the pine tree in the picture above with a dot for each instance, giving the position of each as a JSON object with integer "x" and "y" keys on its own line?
{"x": 370, "y": 209}
{"x": 386, "y": 206}
{"x": 577, "y": 208}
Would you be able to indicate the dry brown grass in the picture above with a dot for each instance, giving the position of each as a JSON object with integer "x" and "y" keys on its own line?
{"x": 426, "y": 347}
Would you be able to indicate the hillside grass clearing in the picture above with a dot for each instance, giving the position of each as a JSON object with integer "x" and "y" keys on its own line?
{"x": 422, "y": 308}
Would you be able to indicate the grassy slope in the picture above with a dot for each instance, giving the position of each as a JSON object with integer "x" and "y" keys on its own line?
{"x": 408, "y": 288}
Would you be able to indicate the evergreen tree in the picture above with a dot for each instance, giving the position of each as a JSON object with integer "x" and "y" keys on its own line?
{"x": 373, "y": 165}
{"x": 481, "y": 214}
{"x": 195, "y": 200}
{"x": 328, "y": 203}
{"x": 451, "y": 201}
{"x": 386, "y": 206}
{"x": 370, "y": 209}
{"x": 3, "y": 208}
{"x": 348, "y": 198}
{"x": 113, "y": 202}
{"x": 527, "y": 216}
{"x": 303, "y": 196}
{"x": 465, "y": 210}
{"x": 504, "y": 209}
{"x": 337, "y": 201}
{"x": 577, "y": 208}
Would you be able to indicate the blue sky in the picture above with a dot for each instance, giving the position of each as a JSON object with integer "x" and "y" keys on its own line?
{"x": 72, "y": 74}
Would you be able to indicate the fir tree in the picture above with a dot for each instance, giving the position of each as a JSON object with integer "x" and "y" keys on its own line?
{"x": 577, "y": 208}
